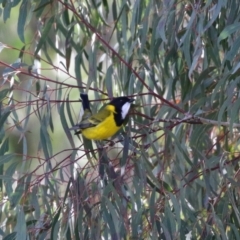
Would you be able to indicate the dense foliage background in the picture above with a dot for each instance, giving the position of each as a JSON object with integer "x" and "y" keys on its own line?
{"x": 172, "y": 172}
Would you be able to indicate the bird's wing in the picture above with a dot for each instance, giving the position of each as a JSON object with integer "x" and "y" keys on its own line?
{"x": 89, "y": 120}
{"x": 97, "y": 118}
{"x": 85, "y": 123}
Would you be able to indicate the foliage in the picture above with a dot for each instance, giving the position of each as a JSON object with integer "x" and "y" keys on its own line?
{"x": 173, "y": 172}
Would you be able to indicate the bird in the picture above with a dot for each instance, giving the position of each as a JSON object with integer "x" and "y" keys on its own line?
{"x": 106, "y": 122}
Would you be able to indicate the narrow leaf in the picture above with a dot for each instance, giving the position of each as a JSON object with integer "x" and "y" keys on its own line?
{"x": 22, "y": 19}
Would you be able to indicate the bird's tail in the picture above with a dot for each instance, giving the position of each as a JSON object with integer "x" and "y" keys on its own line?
{"x": 85, "y": 101}
{"x": 86, "y": 115}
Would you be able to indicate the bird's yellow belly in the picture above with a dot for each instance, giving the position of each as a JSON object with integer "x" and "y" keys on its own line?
{"x": 102, "y": 131}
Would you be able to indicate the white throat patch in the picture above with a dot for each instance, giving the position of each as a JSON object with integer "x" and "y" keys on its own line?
{"x": 125, "y": 109}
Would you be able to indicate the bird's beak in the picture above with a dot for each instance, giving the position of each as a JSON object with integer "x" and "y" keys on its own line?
{"x": 131, "y": 100}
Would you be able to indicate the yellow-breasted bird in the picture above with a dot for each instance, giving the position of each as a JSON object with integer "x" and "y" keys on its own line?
{"x": 106, "y": 122}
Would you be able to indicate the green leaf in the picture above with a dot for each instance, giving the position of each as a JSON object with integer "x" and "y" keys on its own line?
{"x": 152, "y": 204}
{"x": 6, "y": 158}
{"x": 216, "y": 10}
{"x": 40, "y": 8}
{"x": 29, "y": 107}
{"x": 110, "y": 217}
{"x": 7, "y": 10}
{"x": 109, "y": 81}
{"x": 64, "y": 124}
{"x": 48, "y": 26}
{"x": 55, "y": 224}
{"x": 13, "y": 69}
{"x": 124, "y": 155}
{"x": 233, "y": 51}
{"x": 45, "y": 142}
{"x": 227, "y": 31}
{"x": 3, "y": 149}
{"x": 10, "y": 236}
{"x": 38, "y": 87}
{"x": 17, "y": 195}
{"x": 22, "y": 19}
{"x": 69, "y": 40}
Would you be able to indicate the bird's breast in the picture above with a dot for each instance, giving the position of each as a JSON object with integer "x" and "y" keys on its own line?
{"x": 103, "y": 130}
